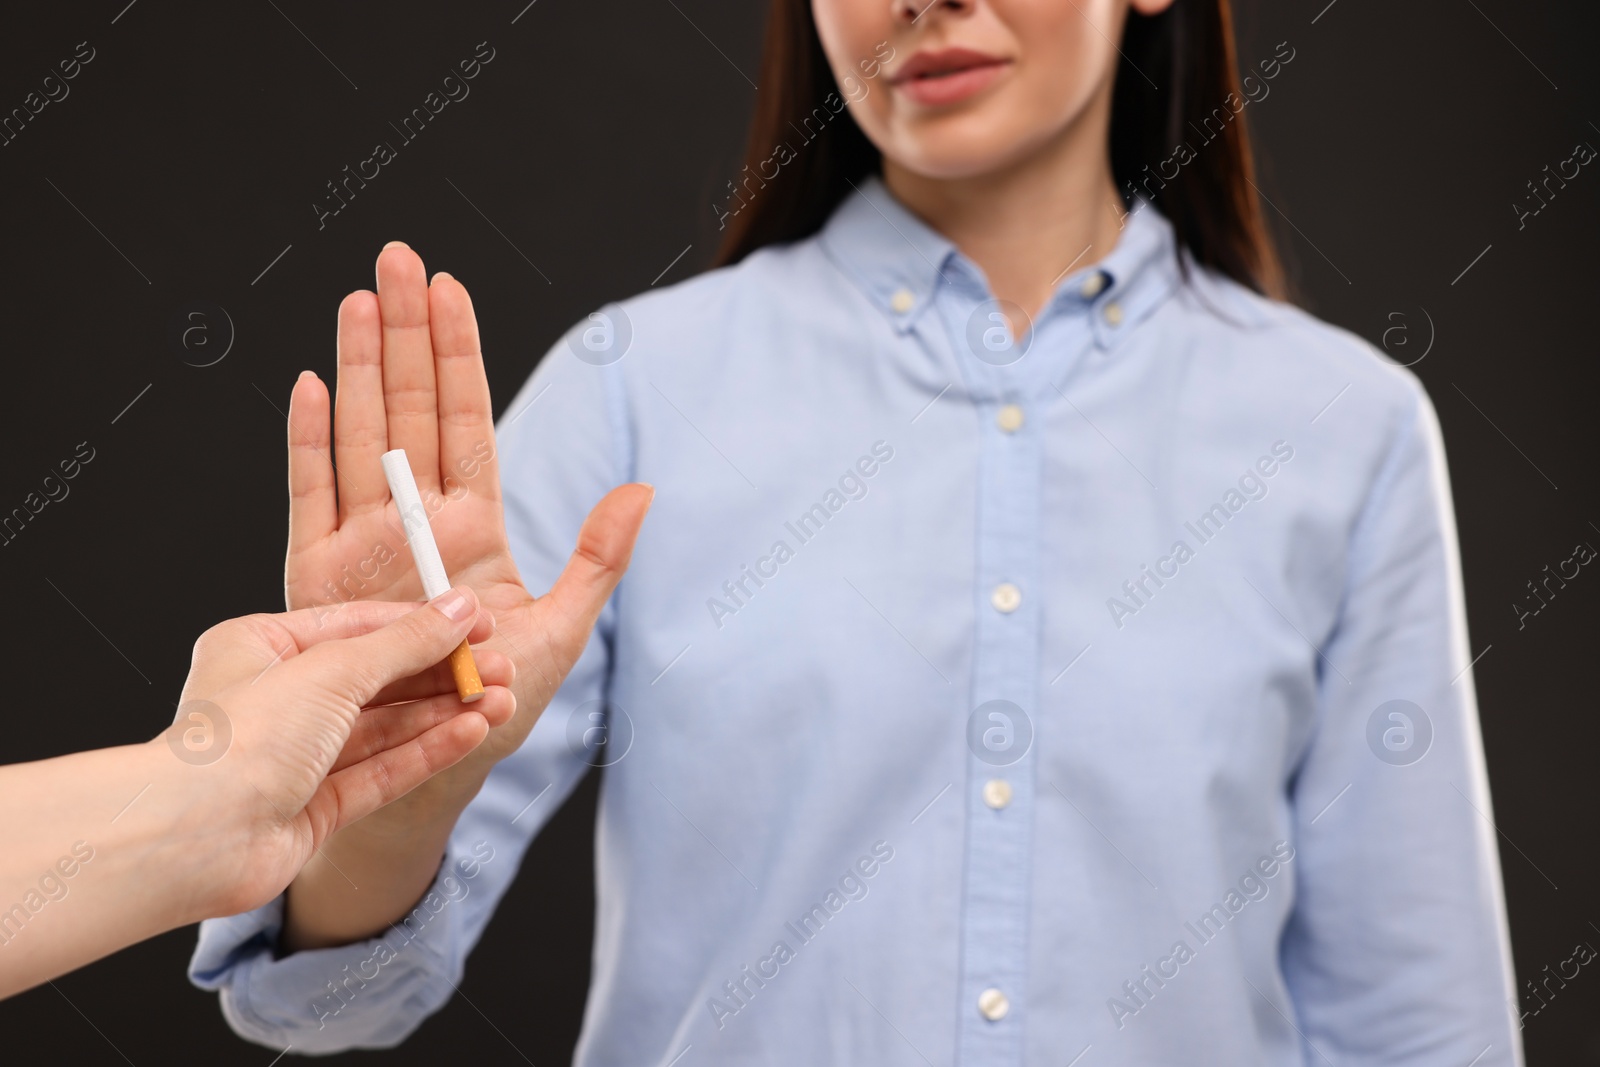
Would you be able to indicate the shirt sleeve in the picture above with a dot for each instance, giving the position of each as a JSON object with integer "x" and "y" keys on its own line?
{"x": 561, "y": 448}
{"x": 1397, "y": 949}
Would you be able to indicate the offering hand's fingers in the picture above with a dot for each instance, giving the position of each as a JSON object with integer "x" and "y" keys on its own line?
{"x": 363, "y": 788}
{"x": 381, "y": 729}
{"x": 494, "y": 668}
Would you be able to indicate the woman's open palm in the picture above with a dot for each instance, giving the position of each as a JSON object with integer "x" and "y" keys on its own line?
{"x": 411, "y": 376}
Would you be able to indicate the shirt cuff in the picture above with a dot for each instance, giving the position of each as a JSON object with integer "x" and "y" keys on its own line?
{"x": 368, "y": 994}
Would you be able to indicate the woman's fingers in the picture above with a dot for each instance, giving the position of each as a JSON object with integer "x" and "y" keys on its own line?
{"x": 363, "y": 788}
{"x": 494, "y": 668}
{"x": 312, "y": 626}
{"x": 410, "y": 396}
{"x": 313, "y": 503}
{"x": 381, "y": 729}
{"x": 466, "y": 416}
{"x": 360, "y": 429}
{"x": 359, "y": 668}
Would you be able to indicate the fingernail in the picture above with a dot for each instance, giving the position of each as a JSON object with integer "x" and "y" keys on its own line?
{"x": 441, "y": 274}
{"x": 454, "y": 605}
{"x": 395, "y": 244}
{"x": 306, "y": 374}
{"x": 650, "y": 487}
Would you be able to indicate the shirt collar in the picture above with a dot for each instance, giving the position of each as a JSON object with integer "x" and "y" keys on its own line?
{"x": 899, "y": 262}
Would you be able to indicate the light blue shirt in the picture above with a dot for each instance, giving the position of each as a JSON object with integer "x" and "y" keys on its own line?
{"x": 1105, "y": 695}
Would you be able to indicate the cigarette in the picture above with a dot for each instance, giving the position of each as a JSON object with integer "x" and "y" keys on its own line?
{"x": 419, "y": 535}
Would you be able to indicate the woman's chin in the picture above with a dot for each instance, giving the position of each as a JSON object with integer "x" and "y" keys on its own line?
{"x": 954, "y": 155}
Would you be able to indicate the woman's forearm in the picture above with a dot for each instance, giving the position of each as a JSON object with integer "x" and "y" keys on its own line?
{"x": 371, "y": 874}
{"x": 75, "y": 859}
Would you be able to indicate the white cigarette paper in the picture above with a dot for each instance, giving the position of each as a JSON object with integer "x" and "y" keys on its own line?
{"x": 425, "y": 553}
{"x": 419, "y": 535}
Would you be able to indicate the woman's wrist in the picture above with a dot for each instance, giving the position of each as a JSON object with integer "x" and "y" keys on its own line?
{"x": 325, "y": 907}
{"x": 192, "y": 824}
{"x": 135, "y": 834}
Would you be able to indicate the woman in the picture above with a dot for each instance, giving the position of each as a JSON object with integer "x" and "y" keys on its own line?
{"x": 1044, "y": 641}
{"x": 290, "y": 726}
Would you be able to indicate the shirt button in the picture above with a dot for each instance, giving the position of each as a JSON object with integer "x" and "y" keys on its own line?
{"x": 997, "y": 793}
{"x": 1113, "y": 313}
{"x": 993, "y": 1005}
{"x": 1092, "y": 285}
{"x": 902, "y": 301}
{"x": 1006, "y": 598}
{"x": 1009, "y": 418}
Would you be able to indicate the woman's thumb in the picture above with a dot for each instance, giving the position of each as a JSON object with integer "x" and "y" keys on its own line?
{"x": 362, "y": 666}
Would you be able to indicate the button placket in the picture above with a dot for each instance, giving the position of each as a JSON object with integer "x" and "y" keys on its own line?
{"x": 999, "y": 821}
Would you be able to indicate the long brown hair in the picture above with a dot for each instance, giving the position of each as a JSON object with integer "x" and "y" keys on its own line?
{"x": 786, "y": 193}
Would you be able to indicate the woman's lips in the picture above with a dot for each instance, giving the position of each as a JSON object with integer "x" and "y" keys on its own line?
{"x": 948, "y": 77}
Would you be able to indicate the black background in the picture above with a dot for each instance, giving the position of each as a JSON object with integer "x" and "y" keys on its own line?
{"x": 589, "y": 154}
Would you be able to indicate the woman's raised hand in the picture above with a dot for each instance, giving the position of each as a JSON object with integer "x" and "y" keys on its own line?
{"x": 411, "y": 376}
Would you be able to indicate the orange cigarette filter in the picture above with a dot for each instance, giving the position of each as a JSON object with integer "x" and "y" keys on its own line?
{"x": 468, "y": 685}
